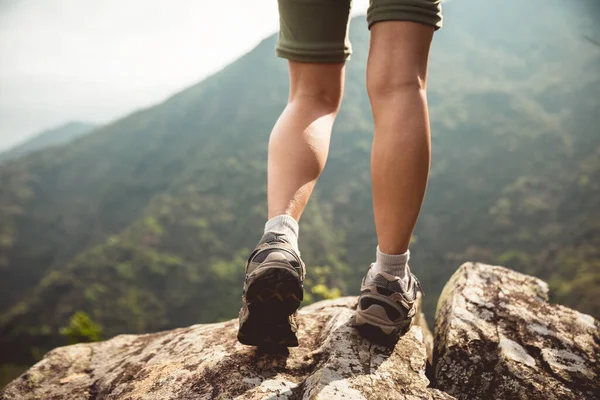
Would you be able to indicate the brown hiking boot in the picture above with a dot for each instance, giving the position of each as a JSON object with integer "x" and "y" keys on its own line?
{"x": 387, "y": 305}
{"x": 272, "y": 294}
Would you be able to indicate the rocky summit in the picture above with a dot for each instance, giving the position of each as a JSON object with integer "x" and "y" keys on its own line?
{"x": 207, "y": 362}
{"x": 496, "y": 337}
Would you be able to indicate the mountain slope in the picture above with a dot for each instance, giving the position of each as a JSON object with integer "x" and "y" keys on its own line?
{"x": 51, "y": 137}
{"x": 145, "y": 223}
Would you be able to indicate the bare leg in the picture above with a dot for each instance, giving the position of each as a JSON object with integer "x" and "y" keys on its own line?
{"x": 297, "y": 153}
{"x": 396, "y": 82}
{"x": 299, "y": 142}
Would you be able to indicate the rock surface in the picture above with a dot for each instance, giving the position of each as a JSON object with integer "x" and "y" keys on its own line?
{"x": 206, "y": 362}
{"x": 497, "y": 337}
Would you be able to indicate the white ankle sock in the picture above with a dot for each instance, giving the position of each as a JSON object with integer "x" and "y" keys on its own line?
{"x": 395, "y": 264}
{"x": 286, "y": 226}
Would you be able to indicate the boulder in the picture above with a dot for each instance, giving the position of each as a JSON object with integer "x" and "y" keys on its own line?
{"x": 497, "y": 337}
{"x": 206, "y": 362}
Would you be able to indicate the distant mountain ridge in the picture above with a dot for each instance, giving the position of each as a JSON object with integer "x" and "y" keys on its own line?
{"x": 52, "y": 137}
{"x": 145, "y": 223}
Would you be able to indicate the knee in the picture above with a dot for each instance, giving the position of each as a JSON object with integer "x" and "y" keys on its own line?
{"x": 317, "y": 86}
{"x": 382, "y": 87}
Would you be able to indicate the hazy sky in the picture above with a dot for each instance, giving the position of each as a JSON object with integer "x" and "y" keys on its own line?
{"x": 91, "y": 60}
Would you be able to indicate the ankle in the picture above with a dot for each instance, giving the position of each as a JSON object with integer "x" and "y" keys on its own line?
{"x": 286, "y": 226}
{"x": 395, "y": 264}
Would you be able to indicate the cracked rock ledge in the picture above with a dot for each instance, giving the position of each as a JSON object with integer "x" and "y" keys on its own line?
{"x": 496, "y": 337}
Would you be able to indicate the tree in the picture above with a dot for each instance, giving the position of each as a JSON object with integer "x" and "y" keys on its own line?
{"x": 81, "y": 329}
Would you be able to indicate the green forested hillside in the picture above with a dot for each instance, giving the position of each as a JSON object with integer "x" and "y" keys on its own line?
{"x": 145, "y": 223}
{"x": 51, "y": 137}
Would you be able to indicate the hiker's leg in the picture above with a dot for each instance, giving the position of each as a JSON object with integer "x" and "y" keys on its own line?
{"x": 298, "y": 149}
{"x": 396, "y": 81}
{"x": 313, "y": 38}
{"x": 401, "y": 33}
{"x": 299, "y": 141}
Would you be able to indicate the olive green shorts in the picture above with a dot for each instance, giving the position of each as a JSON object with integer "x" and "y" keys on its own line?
{"x": 317, "y": 30}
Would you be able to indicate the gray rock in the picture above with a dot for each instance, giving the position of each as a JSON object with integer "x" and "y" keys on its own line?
{"x": 497, "y": 337}
{"x": 206, "y": 362}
